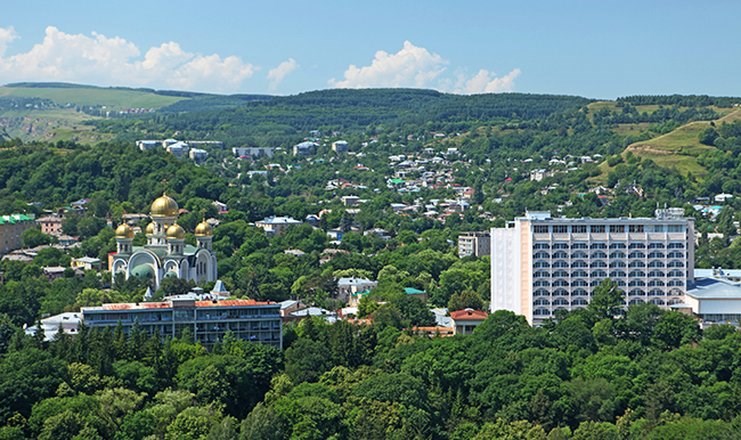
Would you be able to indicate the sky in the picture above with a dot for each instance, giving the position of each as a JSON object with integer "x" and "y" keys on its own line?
{"x": 597, "y": 49}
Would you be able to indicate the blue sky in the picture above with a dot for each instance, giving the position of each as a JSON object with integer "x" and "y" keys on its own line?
{"x": 597, "y": 49}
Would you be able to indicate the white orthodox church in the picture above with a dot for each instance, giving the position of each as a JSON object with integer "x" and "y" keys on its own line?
{"x": 165, "y": 254}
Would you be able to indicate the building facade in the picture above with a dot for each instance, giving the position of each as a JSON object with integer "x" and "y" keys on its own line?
{"x": 540, "y": 264}
{"x": 51, "y": 225}
{"x": 474, "y": 244}
{"x": 207, "y": 321}
{"x": 11, "y": 228}
{"x": 165, "y": 254}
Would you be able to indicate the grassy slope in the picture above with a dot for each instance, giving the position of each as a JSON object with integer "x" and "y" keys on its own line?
{"x": 115, "y": 99}
{"x": 66, "y": 123}
{"x": 679, "y": 148}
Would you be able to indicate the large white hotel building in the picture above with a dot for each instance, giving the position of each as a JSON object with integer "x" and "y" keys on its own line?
{"x": 540, "y": 264}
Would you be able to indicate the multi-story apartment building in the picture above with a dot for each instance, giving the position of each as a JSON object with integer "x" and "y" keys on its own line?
{"x": 51, "y": 224}
{"x": 540, "y": 264}
{"x": 208, "y": 321}
{"x": 11, "y": 228}
{"x": 474, "y": 244}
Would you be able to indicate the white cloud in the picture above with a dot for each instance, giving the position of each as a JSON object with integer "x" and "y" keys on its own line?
{"x": 411, "y": 66}
{"x": 486, "y": 82}
{"x": 98, "y": 59}
{"x": 277, "y": 74}
{"x": 6, "y": 37}
{"x": 414, "y": 66}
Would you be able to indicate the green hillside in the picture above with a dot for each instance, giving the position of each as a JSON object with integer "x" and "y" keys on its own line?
{"x": 680, "y": 148}
{"x": 79, "y": 95}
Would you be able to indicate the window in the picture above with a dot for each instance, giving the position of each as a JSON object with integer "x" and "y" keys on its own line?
{"x": 579, "y": 292}
{"x": 675, "y": 228}
{"x": 636, "y": 292}
{"x": 656, "y": 283}
{"x": 579, "y": 229}
{"x": 560, "y": 274}
{"x": 656, "y": 263}
{"x": 541, "y": 274}
{"x": 676, "y": 245}
{"x": 542, "y": 246}
{"x": 540, "y": 264}
{"x": 599, "y": 274}
{"x": 675, "y": 263}
{"x": 617, "y": 228}
{"x": 655, "y": 292}
{"x": 579, "y": 246}
{"x": 560, "y": 292}
{"x": 561, "y": 283}
{"x": 657, "y": 301}
{"x": 560, "y": 263}
{"x": 637, "y": 274}
{"x": 635, "y": 228}
{"x": 542, "y": 302}
{"x": 541, "y": 312}
{"x": 560, "y": 245}
{"x": 636, "y": 283}
{"x": 656, "y": 274}
{"x": 560, "y": 229}
{"x": 659, "y": 228}
{"x": 617, "y": 246}
{"x": 676, "y": 283}
{"x": 579, "y": 263}
{"x": 675, "y": 254}
{"x": 617, "y": 254}
{"x": 579, "y": 274}
{"x": 579, "y": 254}
{"x": 541, "y": 255}
{"x": 637, "y": 254}
{"x": 636, "y": 301}
{"x": 579, "y": 302}
{"x": 560, "y": 254}
{"x": 656, "y": 254}
{"x": 617, "y": 274}
{"x": 656, "y": 246}
{"x": 599, "y": 254}
{"x": 561, "y": 302}
{"x": 540, "y": 229}
{"x": 675, "y": 273}
{"x": 540, "y": 292}
{"x": 637, "y": 246}
{"x": 598, "y": 246}
{"x": 542, "y": 283}
{"x": 617, "y": 263}
{"x": 579, "y": 283}
{"x": 637, "y": 263}
{"x": 598, "y": 263}
{"x": 597, "y": 229}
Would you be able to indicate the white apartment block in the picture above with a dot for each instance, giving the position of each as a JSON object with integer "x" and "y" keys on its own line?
{"x": 540, "y": 264}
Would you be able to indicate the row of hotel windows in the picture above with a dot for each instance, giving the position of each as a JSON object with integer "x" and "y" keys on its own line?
{"x": 614, "y": 254}
{"x": 583, "y": 283}
{"x": 540, "y": 293}
{"x": 540, "y": 311}
{"x": 578, "y": 245}
{"x": 675, "y": 273}
{"x": 616, "y": 263}
{"x": 601, "y": 229}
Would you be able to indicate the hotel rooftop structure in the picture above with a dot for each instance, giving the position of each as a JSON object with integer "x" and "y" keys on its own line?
{"x": 208, "y": 321}
{"x": 540, "y": 264}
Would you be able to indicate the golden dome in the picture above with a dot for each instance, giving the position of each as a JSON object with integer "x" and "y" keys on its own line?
{"x": 124, "y": 231}
{"x": 176, "y": 232}
{"x": 164, "y": 206}
{"x": 150, "y": 229}
{"x": 204, "y": 229}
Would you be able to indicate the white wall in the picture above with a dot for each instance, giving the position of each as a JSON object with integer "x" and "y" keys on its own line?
{"x": 505, "y": 269}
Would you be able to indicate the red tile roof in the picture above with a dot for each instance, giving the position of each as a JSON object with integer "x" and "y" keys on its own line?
{"x": 469, "y": 315}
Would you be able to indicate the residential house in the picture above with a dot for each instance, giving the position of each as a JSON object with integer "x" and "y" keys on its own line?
{"x": 466, "y": 320}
